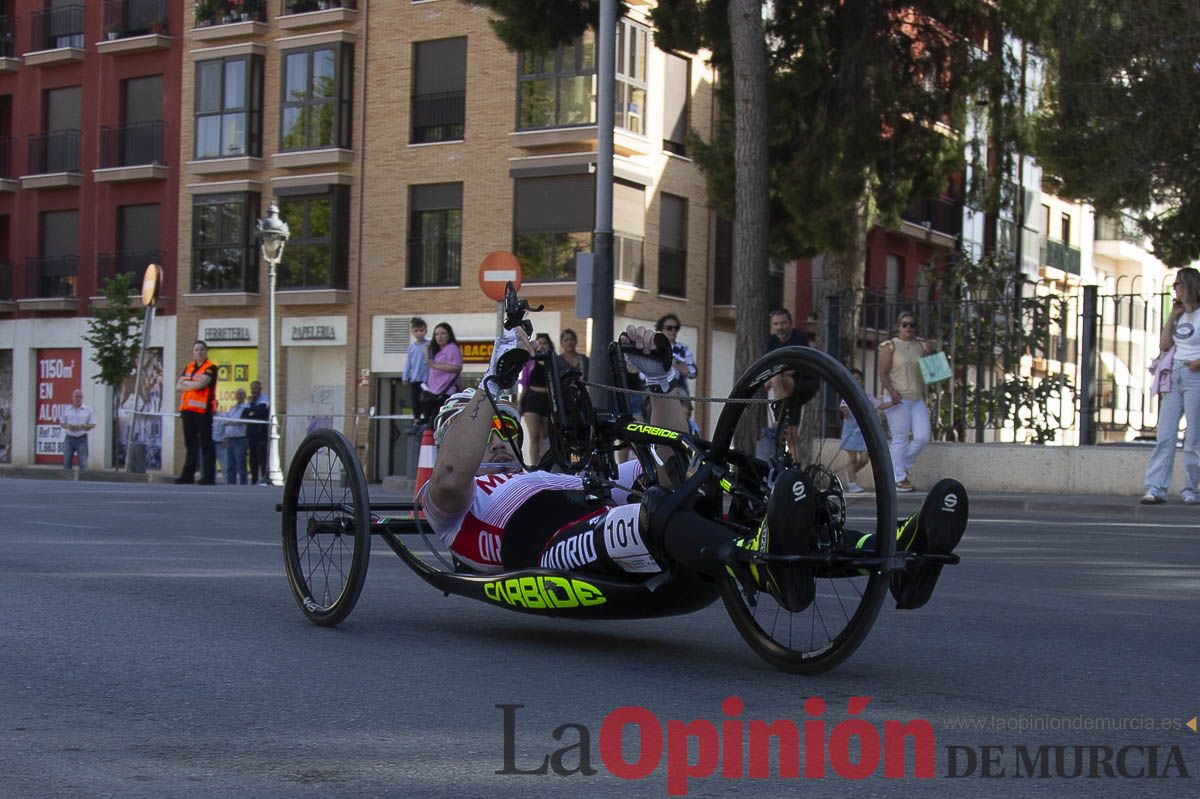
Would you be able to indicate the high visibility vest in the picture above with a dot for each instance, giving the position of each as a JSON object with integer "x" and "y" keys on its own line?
{"x": 199, "y": 400}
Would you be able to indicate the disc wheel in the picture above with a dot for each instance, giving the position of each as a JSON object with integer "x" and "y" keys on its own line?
{"x": 326, "y": 527}
{"x": 808, "y": 434}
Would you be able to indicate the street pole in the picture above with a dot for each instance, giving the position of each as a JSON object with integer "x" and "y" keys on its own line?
{"x": 602, "y": 243}
{"x": 273, "y": 233}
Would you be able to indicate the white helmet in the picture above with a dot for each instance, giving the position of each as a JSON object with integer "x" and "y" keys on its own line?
{"x": 458, "y": 402}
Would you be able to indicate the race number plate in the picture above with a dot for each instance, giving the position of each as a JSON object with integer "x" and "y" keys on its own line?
{"x": 623, "y": 540}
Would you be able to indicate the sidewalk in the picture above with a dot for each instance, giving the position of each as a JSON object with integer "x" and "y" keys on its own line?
{"x": 1082, "y": 505}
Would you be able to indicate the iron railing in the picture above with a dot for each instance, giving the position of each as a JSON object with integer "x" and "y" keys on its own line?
{"x": 124, "y": 18}
{"x": 1122, "y": 228}
{"x": 434, "y": 262}
{"x": 8, "y": 37}
{"x": 942, "y": 215}
{"x": 54, "y": 28}
{"x": 125, "y": 262}
{"x": 6, "y": 281}
{"x": 439, "y": 117}
{"x": 51, "y": 277}
{"x": 55, "y": 151}
{"x": 132, "y": 144}
{"x": 1060, "y": 256}
{"x": 225, "y": 12}
{"x": 304, "y": 6}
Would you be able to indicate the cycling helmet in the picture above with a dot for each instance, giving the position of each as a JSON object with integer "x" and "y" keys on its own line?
{"x": 457, "y": 403}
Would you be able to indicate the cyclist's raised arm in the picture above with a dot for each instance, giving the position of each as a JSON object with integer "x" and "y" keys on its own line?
{"x": 665, "y": 410}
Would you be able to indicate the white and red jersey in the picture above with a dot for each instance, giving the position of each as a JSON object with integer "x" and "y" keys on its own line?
{"x": 476, "y": 534}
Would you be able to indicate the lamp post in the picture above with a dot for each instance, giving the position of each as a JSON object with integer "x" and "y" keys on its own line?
{"x": 273, "y": 234}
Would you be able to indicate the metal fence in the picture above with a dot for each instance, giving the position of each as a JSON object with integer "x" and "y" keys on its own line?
{"x": 1030, "y": 363}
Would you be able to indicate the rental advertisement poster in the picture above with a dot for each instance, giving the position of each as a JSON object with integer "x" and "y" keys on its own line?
{"x": 58, "y": 375}
{"x": 236, "y": 368}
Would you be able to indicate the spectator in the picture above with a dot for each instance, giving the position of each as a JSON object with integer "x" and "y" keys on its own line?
{"x": 445, "y": 363}
{"x": 77, "y": 420}
{"x": 1181, "y": 330}
{"x": 535, "y": 400}
{"x": 236, "y": 446}
{"x": 685, "y": 362}
{"x": 219, "y": 448}
{"x": 416, "y": 370}
{"x": 853, "y": 443}
{"x": 258, "y": 408}
{"x": 781, "y": 389}
{"x": 569, "y": 358}
{"x": 196, "y": 406}
{"x": 900, "y": 376}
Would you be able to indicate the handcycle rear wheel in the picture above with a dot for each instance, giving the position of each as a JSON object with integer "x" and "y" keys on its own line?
{"x": 825, "y": 633}
{"x": 326, "y": 527}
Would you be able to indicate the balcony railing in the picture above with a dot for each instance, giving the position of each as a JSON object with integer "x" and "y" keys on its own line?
{"x": 1123, "y": 228}
{"x": 56, "y": 151}
{"x": 226, "y": 12}
{"x": 128, "y": 262}
{"x": 6, "y": 148}
{"x": 942, "y": 215}
{"x": 304, "y": 6}
{"x": 124, "y": 18}
{"x": 6, "y": 281}
{"x": 8, "y": 34}
{"x": 1060, "y": 256}
{"x": 55, "y": 28}
{"x": 439, "y": 117}
{"x": 132, "y": 144}
{"x": 51, "y": 277}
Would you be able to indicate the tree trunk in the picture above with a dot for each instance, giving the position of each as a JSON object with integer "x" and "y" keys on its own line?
{"x": 750, "y": 196}
{"x": 845, "y": 275}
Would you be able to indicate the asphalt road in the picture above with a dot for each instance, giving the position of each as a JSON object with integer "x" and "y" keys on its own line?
{"x": 150, "y": 647}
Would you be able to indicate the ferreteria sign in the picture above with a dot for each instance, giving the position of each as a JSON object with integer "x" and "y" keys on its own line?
{"x": 228, "y": 332}
{"x": 314, "y": 331}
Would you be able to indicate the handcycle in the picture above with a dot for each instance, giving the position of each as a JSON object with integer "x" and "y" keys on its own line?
{"x": 720, "y": 495}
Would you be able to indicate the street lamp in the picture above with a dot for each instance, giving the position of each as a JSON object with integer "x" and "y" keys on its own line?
{"x": 273, "y": 234}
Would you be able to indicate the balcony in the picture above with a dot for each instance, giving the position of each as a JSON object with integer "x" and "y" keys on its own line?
{"x": 56, "y": 36}
{"x": 298, "y": 14}
{"x": 8, "y": 48}
{"x": 227, "y": 19}
{"x": 6, "y": 173}
{"x": 942, "y": 215}
{"x": 53, "y": 160}
{"x": 438, "y": 117}
{"x": 134, "y": 26}
{"x": 126, "y": 262}
{"x": 131, "y": 152}
{"x": 1060, "y": 256}
{"x": 50, "y": 283}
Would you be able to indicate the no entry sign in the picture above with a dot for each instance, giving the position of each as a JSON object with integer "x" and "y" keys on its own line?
{"x": 497, "y": 269}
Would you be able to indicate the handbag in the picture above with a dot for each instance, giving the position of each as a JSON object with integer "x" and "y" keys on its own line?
{"x": 935, "y": 368}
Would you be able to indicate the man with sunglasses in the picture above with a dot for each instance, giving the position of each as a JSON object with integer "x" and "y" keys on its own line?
{"x": 495, "y": 516}
{"x": 783, "y": 389}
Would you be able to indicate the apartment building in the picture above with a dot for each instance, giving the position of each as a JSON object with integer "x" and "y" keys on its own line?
{"x": 89, "y": 136}
{"x": 403, "y": 143}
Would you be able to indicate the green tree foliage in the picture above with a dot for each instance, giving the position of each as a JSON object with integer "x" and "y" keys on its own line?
{"x": 115, "y": 331}
{"x": 1120, "y": 126}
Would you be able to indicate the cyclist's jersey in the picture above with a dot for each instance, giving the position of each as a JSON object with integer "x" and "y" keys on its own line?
{"x": 533, "y": 508}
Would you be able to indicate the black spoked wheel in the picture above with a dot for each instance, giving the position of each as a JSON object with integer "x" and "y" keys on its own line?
{"x": 806, "y": 432}
{"x": 326, "y": 527}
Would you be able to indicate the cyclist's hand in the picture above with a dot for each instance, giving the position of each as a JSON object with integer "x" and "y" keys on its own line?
{"x": 649, "y": 352}
{"x": 1194, "y": 365}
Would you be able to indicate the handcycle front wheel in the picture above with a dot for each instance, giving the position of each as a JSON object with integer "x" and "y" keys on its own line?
{"x": 808, "y": 434}
{"x": 326, "y": 527}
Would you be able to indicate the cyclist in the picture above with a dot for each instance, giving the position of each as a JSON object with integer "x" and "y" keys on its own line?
{"x": 494, "y": 516}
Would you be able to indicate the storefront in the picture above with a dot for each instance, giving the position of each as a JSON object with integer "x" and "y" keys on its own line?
{"x": 315, "y": 362}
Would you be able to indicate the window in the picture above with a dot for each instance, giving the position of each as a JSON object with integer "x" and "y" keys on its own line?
{"x": 58, "y": 149}
{"x": 317, "y": 97}
{"x": 439, "y": 102}
{"x": 316, "y": 253}
{"x": 229, "y": 107}
{"x": 1066, "y": 228}
{"x": 633, "y": 42}
{"x": 55, "y": 273}
{"x": 435, "y": 235}
{"x": 558, "y": 88}
{"x": 672, "y": 246}
{"x": 722, "y": 255}
{"x": 676, "y": 102}
{"x": 139, "y": 137}
{"x": 629, "y": 232}
{"x": 224, "y": 252}
{"x": 138, "y": 243}
{"x": 554, "y": 220}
